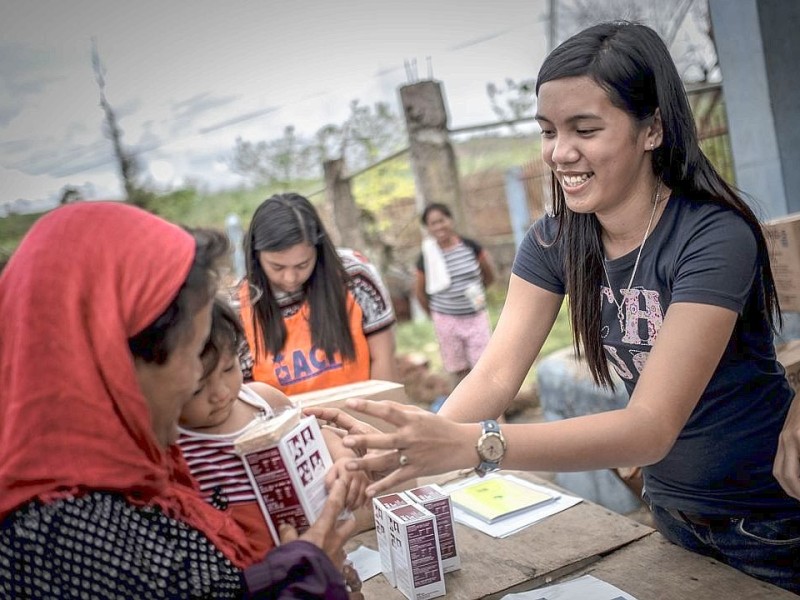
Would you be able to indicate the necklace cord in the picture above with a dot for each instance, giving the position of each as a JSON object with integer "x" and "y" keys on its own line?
{"x": 620, "y": 305}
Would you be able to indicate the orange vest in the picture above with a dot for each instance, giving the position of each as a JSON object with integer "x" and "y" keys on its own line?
{"x": 301, "y": 366}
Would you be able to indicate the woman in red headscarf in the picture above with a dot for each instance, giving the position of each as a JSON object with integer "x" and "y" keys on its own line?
{"x": 106, "y": 309}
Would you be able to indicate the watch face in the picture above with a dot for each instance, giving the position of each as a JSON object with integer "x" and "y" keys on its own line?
{"x": 491, "y": 447}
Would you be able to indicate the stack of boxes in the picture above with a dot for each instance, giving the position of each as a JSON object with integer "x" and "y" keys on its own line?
{"x": 783, "y": 239}
{"x": 416, "y": 540}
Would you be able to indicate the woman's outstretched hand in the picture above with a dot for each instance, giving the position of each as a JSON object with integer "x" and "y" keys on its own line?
{"x": 422, "y": 444}
{"x": 343, "y": 425}
{"x": 787, "y": 459}
{"x": 329, "y": 533}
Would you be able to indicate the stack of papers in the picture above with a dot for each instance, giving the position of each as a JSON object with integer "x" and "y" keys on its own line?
{"x": 499, "y": 498}
{"x": 518, "y": 519}
{"x": 581, "y": 588}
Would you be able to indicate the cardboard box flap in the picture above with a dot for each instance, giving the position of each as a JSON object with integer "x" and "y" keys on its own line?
{"x": 262, "y": 433}
{"x": 372, "y": 389}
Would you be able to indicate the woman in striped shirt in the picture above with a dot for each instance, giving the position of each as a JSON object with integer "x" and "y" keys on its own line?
{"x": 453, "y": 273}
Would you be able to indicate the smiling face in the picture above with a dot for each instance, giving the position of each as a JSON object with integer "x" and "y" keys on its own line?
{"x": 213, "y": 403}
{"x": 287, "y": 270}
{"x": 599, "y": 153}
{"x": 440, "y": 226}
{"x": 170, "y": 386}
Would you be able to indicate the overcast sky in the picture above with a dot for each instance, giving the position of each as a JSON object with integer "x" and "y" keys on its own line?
{"x": 188, "y": 78}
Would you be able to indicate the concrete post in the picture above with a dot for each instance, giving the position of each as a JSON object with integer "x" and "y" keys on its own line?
{"x": 757, "y": 43}
{"x": 433, "y": 160}
{"x": 235, "y": 232}
{"x": 517, "y": 204}
{"x": 345, "y": 212}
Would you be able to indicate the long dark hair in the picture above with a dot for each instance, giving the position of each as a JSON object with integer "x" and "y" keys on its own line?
{"x": 280, "y": 222}
{"x": 633, "y": 65}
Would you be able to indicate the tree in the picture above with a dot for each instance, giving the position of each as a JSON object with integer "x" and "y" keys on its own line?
{"x": 665, "y": 16}
{"x": 697, "y": 62}
{"x": 276, "y": 162}
{"x": 370, "y": 133}
{"x": 701, "y": 57}
{"x": 70, "y": 194}
{"x": 367, "y": 134}
{"x": 127, "y": 163}
{"x": 513, "y": 101}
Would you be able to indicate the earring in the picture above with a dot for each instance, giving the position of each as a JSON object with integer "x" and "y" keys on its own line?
{"x": 652, "y": 146}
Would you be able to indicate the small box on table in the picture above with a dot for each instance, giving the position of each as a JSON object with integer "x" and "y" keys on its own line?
{"x": 381, "y": 507}
{"x": 415, "y": 552}
{"x": 437, "y": 502}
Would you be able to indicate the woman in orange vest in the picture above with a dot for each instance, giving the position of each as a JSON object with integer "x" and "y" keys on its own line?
{"x": 320, "y": 317}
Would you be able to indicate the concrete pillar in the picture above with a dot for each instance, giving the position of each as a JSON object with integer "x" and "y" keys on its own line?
{"x": 233, "y": 227}
{"x": 757, "y": 43}
{"x": 517, "y": 201}
{"x": 345, "y": 212}
{"x": 433, "y": 160}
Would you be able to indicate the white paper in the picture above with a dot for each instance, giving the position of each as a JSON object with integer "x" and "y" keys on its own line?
{"x": 505, "y": 527}
{"x": 582, "y": 588}
{"x": 367, "y": 562}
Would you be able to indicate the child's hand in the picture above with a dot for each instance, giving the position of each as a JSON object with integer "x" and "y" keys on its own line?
{"x": 356, "y": 481}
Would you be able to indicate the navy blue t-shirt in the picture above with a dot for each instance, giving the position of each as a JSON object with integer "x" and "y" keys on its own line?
{"x": 701, "y": 252}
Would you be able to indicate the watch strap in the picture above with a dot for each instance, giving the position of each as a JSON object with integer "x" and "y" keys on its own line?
{"x": 489, "y": 426}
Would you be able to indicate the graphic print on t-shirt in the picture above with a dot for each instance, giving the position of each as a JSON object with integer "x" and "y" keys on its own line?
{"x": 637, "y": 324}
{"x": 302, "y": 365}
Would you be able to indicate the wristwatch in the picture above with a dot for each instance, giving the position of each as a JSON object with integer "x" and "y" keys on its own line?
{"x": 491, "y": 448}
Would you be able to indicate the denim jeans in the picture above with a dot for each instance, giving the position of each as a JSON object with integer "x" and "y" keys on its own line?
{"x": 765, "y": 547}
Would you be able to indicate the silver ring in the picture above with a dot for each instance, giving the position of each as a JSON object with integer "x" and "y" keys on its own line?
{"x": 403, "y": 460}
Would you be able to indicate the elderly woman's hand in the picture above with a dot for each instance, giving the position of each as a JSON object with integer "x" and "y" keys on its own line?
{"x": 328, "y": 532}
{"x": 422, "y": 444}
{"x": 787, "y": 459}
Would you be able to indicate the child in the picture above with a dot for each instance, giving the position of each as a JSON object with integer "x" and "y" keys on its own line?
{"x": 217, "y": 415}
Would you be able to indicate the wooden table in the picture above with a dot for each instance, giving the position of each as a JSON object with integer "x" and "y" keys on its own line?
{"x": 652, "y": 568}
{"x": 586, "y": 538}
{"x": 558, "y": 545}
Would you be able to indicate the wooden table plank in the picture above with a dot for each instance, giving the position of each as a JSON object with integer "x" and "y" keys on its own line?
{"x": 554, "y": 547}
{"x": 654, "y": 569}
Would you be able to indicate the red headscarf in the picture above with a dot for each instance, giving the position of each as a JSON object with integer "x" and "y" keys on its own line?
{"x": 85, "y": 279}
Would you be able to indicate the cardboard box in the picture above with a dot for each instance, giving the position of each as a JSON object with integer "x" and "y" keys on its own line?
{"x": 381, "y": 507}
{"x": 373, "y": 389}
{"x": 415, "y": 553}
{"x": 783, "y": 240}
{"x": 437, "y": 502}
{"x": 789, "y": 357}
{"x": 286, "y": 460}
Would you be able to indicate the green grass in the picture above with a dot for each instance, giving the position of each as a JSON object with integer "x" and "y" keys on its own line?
{"x": 489, "y": 153}
{"x": 12, "y": 230}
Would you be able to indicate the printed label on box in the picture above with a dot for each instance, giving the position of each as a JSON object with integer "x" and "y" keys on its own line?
{"x": 437, "y": 502}
{"x": 381, "y": 507}
{"x": 415, "y": 552}
{"x": 289, "y": 476}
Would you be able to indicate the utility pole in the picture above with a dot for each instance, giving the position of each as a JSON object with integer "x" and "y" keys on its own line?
{"x": 552, "y": 26}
